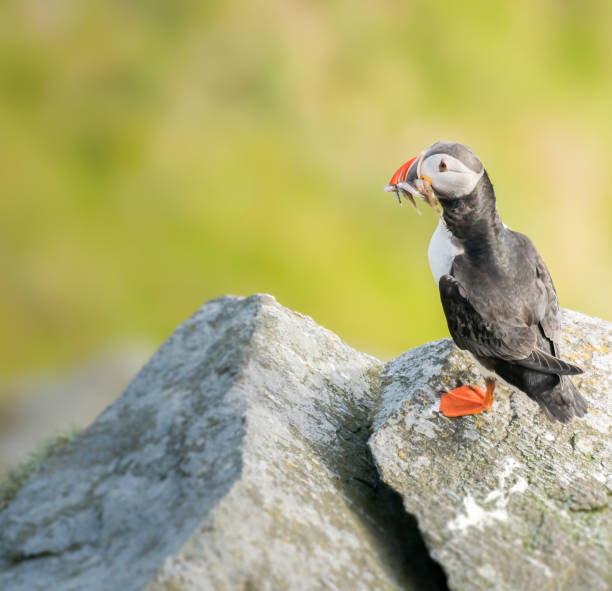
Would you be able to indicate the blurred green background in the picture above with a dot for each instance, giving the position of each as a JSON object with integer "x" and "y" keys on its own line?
{"x": 154, "y": 155}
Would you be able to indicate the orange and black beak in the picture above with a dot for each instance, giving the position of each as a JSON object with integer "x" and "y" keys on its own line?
{"x": 401, "y": 174}
{"x": 406, "y": 179}
{"x": 410, "y": 182}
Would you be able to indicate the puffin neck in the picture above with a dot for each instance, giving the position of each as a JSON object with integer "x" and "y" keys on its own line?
{"x": 474, "y": 221}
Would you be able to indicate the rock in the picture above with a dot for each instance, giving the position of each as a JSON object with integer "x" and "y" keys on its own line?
{"x": 236, "y": 459}
{"x": 504, "y": 499}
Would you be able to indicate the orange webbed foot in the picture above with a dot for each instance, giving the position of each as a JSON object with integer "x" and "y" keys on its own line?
{"x": 467, "y": 400}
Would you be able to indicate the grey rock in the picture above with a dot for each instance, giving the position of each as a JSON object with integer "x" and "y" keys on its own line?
{"x": 504, "y": 499}
{"x": 236, "y": 459}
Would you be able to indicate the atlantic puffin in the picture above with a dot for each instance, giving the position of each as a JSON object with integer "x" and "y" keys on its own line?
{"x": 497, "y": 294}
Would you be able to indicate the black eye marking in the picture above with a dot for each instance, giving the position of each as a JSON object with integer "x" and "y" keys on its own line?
{"x": 442, "y": 166}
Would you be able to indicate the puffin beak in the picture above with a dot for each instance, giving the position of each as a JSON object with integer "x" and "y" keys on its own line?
{"x": 404, "y": 179}
{"x": 410, "y": 182}
{"x": 402, "y": 172}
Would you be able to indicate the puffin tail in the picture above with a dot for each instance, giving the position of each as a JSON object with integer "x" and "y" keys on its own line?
{"x": 563, "y": 402}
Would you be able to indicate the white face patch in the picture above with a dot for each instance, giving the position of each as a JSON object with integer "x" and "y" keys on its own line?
{"x": 450, "y": 176}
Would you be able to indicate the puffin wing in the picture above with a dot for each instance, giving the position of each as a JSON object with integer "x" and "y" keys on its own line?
{"x": 545, "y": 358}
{"x": 544, "y": 363}
{"x": 497, "y": 339}
{"x": 550, "y": 321}
{"x": 479, "y": 335}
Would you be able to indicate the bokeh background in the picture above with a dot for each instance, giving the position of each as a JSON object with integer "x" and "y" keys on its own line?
{"x": 157, "y": 154}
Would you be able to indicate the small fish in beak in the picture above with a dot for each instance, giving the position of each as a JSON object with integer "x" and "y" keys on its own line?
{"x": 408, "y": 181}
{"x": 400, "y": 186}
{"x": 407, "y": 190}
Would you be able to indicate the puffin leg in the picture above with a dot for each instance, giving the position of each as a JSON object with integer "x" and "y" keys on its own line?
{"x": 467, "y": 400}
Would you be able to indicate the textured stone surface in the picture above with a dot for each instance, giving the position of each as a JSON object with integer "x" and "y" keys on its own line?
{"x": 236, "y": 459}
{"x": 504, "y": 499}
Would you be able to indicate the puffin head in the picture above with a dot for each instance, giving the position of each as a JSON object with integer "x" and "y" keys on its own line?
{"x": 451, "y": 169}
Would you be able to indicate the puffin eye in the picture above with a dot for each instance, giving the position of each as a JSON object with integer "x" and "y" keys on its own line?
{"x": 442, "y": 166}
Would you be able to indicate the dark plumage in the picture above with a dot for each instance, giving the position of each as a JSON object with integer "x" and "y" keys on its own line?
{"x": 498, "y": 297}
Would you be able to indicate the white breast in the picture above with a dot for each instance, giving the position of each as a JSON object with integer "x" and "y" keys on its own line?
{"x": 442, "y": 251}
